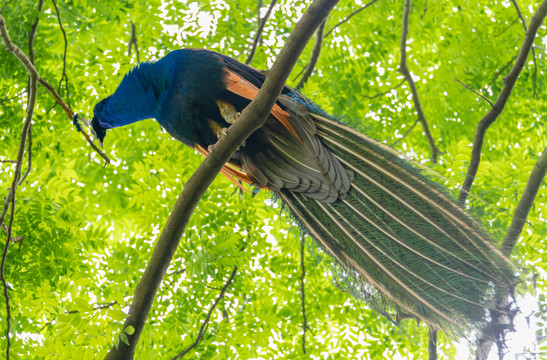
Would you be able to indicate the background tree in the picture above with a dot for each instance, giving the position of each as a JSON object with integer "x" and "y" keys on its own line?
{"x": 80, "y": 233}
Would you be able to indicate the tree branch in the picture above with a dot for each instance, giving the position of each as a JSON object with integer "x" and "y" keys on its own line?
{"x": 4, "y": 6}
{"x": 133, "y": 41}
{"x": 432, "y": 343}
{"x": 508, "y": 84}
{"x": 316, "y": 51}
{"x": 385, "y": 92}
{"x": 486, "y": 340}
{"x": 476, "y": 92}
{"x": 252, "y": 118}
{"x": 350, "y": 16}
{"x": 11, "y": 199}
{"x": 525, "y": 204}
{"x": 406, "y": 73}
{"x": 523, "y": 21}
{"x": 3, "y": 279}
{"x": 206, "y": 322}
{"x": 64, "y": 56}
{"x": 29, "y": 156}
{"x": 12, "y": 48}
{"x": 258, "y": 35}
{"x": 496, "y": 75}
{"x": 425, "y": 10}
{"x": 406, "y": 133}
{"x": 302, "y": 292}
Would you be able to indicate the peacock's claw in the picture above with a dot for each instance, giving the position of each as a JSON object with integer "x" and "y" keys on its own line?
{"x": 228, "y": 111}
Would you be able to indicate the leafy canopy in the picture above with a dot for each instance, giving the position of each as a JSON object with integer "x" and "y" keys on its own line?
{"x": 89, "y": 230}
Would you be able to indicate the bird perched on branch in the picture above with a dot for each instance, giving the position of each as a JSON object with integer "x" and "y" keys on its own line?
{"x": 384, "y": 222}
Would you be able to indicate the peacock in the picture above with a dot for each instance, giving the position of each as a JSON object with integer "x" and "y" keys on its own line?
{"x": 389, "y": 226}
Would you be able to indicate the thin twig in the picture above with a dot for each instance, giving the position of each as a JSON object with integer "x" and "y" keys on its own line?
{"x": 352, "y": 293}
{"x": 350, "y": 16}
{"x": 406, "y": 133}
{"x": 4, "y": 282}
{"x": 11, "y": 47}
{"x": 302, "y": 293}
{"x": 64, "y": 76}
{"x": 8, "y": 161}
{"x": 316, "y": 51}
{"x": 206, "y": 322}
{"x": 133, "y": 41}
{"x": 508, "y": 84}
{"x": 406, "y": 73}
{"x": 496, "y": 75}
{"x": 425, "y": 10}
{"x": 523, "y": 21}
{"x": 104, "y": 306}
{"x": 258, "y": 34}
{"x": 4, "y": 6}
{"x": 95, "y": 308}
{"x": 8, "y": 100}
{"x": 476, "y": 92}
{"x": 258, "y": 18}
{"x": 385, "y": 92}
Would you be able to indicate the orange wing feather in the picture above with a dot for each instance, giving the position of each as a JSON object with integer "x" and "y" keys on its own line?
{"x": 246, "y": 89}
{"x": 231, "y": 171}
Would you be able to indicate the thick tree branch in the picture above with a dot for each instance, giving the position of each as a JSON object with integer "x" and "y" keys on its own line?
{"x": 508, "y": 84}
{"x": 64, "y": 56}
{"x": 486, "y": 340}
{"x": 206, "y": 322}
{"x": 12, "y": 48}
{"x": 435, "y": 152}
{"x": 302, "y": 292}
{"x": 133, "y": 42}
{"x": 261, "y": 24}
{"x": 432, "y": 344}
{"x": 350, "y": 16}
{"x": 316, "y": 51}
{"x": 523, "y": 21}
{"x": 525, "y": 204}
{"x": 252, "y": 118}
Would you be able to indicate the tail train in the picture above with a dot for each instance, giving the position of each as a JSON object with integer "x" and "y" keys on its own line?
{"x": 402, "y": 234}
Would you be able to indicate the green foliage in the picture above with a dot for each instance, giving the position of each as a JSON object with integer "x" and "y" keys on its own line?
{"x": 89, "y": 230}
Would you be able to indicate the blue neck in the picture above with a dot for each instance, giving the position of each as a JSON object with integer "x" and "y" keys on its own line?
{"x": 137, "y": 98}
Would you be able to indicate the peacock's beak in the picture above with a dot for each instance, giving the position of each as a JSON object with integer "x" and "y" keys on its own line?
{"x": 80, "y": 121}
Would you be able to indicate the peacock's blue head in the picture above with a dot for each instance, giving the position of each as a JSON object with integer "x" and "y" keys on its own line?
{"x": 99, "y": 130}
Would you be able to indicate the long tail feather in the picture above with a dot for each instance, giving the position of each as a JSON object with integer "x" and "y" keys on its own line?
{"x": 400, "y": 233}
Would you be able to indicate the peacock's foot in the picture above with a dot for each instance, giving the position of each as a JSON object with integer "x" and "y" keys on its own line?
{"x": 228, "y": 111}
